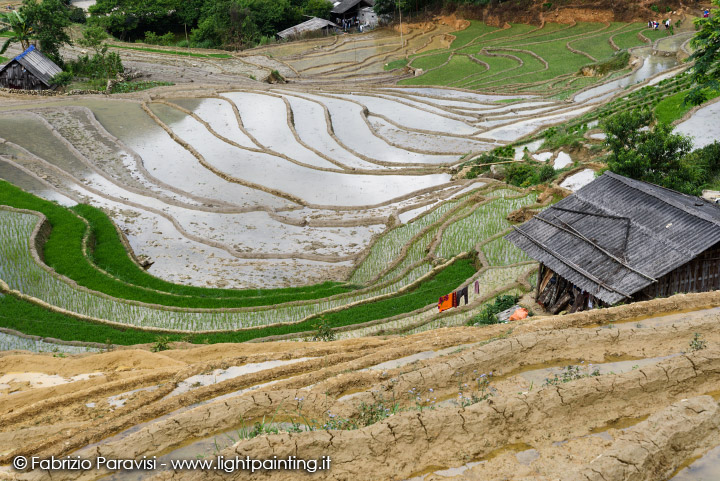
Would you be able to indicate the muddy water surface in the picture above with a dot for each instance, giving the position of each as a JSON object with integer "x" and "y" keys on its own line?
{"x": 652, "y": 66}
{"x": 706, "y": 468}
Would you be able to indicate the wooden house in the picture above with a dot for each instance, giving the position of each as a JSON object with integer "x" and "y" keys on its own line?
{"x": 621, "y": 240}
{"x": 31, "y": 70}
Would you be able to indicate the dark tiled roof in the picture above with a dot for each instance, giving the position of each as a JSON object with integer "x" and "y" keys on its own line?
{"x": 614, "y": 236}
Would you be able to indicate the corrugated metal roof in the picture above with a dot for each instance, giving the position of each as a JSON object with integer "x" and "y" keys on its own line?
{"x": 614, "y": 236}
{"x": 38, "y": 64}
{"x": 346, "y": 5}
{"x": 308, "y": 26}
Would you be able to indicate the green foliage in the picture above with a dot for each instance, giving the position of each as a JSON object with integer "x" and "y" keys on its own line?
{"x": 123, "y": 17}
{"x": 489, "y": 313}
{"x": 706, "y": 70}
{"x": 77, "y": 15}
{"x": 242, "y": 23}
{"x": 653, "y": 155}
{"x": 618, "y": 61}
{"x": 20, "y": 29}
{"x": 564, "y": 136}
{"x": 482, "y": 392}
{"x": 323, "y": 331}
{"x": 569, "y": 374}
{"x": 162, "y": 343}
{"x": 62, "y": 79}
{"x": 125, "y": 87}
{"x": 49, "y": 20}
{"x": 317, "y": 8}
{"x": 697, "y": 343}
{"x": 99, "y": 66}
{"x": 369, "y": 414}
{"x": 155, "y": 39}
{"x": 93, "y": 37}
{"x": 399, "y": 63}
{"x": 526, "y": 174}
{"x": 175, "y": 52}
{"x": 507, "y": 151}
{"x": 655, "y": 8}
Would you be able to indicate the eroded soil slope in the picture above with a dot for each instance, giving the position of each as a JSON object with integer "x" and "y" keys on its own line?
{"x": 497, "y": 402}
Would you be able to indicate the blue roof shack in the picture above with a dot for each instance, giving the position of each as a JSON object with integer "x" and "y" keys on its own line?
{"x": 31, "y": 70}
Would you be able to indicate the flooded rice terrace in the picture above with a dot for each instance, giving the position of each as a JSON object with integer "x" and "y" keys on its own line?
{"x": 272, "y": 186}
{"x": 249, "y": 188}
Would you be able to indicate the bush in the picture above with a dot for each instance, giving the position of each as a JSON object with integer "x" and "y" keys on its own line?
{"x": 489, "y": 313}
{"x": 526, "y": 174}
{"x": 617, "y": 62}
{"x": 323, "y": 331}
{"x": 653, "y": 155}
{"x": 77, "y": 15}
{"x": 155, "y": 39}
{"x": 99, "y": 66}
{"x": 62, "y": 79}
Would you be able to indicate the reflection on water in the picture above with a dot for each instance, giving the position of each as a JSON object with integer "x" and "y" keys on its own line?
{"x": 652, "y": 66}
{"x": 707, "y": 468}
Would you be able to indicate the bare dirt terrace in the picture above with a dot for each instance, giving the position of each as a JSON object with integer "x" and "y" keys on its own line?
{"x": 641, "y": 404}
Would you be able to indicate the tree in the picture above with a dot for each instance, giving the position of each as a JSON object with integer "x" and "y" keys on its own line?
{"x": 122, "y": 17}
{"x": 225, "y": 22}
{"x": 20, "y": 28}
{"x": 653, "y": 155}
{"x": 317, "y": 8}
{"x": 706, "y": 71}
{"x": 48, "y": 19}
{"x": 93, "y": 37}
{"x": 387, "y": 7}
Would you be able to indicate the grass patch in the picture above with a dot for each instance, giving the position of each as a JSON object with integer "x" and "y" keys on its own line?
{"x": 125, "y": 87}
{"x": 173, "y": 52}
{"x": 599, "y": 45}
{"x": 674, "y": 107}
{"x": 430, "y": 61}
{"x": 521, "y": 41}
{"x": 31, "y": 319}
{"x": 458, "y": 68}
{"x": 395, "y": 64}
{"x": 630, "y": 38}
{"x": 476, "y": 28}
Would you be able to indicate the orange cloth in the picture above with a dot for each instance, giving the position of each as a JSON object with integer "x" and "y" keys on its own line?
{"x": 521, "y": 313}
{"x": 445, "y": 303}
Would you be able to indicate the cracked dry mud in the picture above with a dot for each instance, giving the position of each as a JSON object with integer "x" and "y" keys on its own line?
{"x": 638, "y": 423}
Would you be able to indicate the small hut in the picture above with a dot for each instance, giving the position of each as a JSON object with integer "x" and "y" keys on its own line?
{"x": 619, "y": 239}
{"x": 31, "y": 70}
{"x": 313, "y": 25}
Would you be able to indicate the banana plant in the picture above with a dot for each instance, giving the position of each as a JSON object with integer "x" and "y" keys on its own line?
{"x": 21, "y": 30}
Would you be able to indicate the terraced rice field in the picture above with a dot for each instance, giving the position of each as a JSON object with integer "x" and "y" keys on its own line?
{"x": 530, "y": 60}
{"x": 227, "y": 210}
{"x": 346, "y": 190}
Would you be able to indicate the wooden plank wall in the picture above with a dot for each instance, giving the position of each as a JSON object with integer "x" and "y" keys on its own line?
{"x": 16, "y": 77}
{"x": 702, "y": 274}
